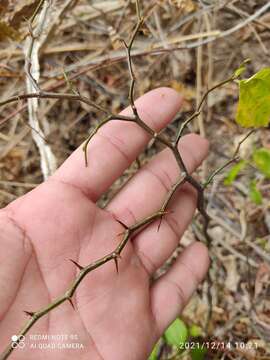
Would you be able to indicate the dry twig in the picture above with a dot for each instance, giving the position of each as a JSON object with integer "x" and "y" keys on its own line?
{"x": 31, "y": 48}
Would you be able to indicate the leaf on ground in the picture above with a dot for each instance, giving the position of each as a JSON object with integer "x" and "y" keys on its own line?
{"x": 195, "y": 330}
{"x": 23, "y": 9}
{"x": 186, "y": 6}
{"x": 198, "y": 353}
{"x": 7, "y": 31}
{"x": 254, "y": 100}
{"x": 3, "y": 6}
{"x": 176, "y": 333}
{"x": 232, "y": 274}
{"x": 254, "y": 193}
{"x": 262, "y": 278}
{"x": 261, "y": 158}
{"x": 154, "y": 353}
{"x": 235, "y": 170}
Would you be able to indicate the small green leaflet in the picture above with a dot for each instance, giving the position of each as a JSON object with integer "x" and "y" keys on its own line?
{"x": 235, "y": 170}
{"x": 254, "y": 100}
{"x": 195, "y": 330}
{"x": 254, "y": 193}
{"x": 242, "y": 68}
{"x": 261, "y": 158}
{"x": 154, "y": 353}
{"x": 177, "y": 333}
{"x": 198, "y": 353}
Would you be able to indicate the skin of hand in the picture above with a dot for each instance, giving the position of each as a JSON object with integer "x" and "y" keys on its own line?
{"x": 117, "y": 316}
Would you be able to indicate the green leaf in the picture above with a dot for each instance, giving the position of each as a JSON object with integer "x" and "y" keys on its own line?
{"x": 7, "y": 31}
{"x": 235, "y": 170}
{"x": 254, "y": 100}
{"x": 154, "y": 353}
{"x": 261, "y": 158}
{"x": 254, "y": 193}
{"x": 176, "y": 333}
{"x": 198, "y": 353}
{"x": 241, "y": 69}
{"x": 195, "y": 330}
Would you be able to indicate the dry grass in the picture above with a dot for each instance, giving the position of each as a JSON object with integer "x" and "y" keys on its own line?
{"x": 83, "y": 41}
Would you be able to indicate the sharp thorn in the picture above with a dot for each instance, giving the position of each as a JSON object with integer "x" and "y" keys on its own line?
{"x": 29, "y": 313}
{"x": 115, "y": 258}
{"x": 116, "y": 265}
{"x": 85, "y": 160}
{"x": 159, "y": 224}
{"x": 138, "y": 163}
{"x": 165, "y": 212}
{"x": 121, "y": 223}
{"x": 71, "y": 303}
{"x": 78, "y": 265}
{"x": 121, "y": 233}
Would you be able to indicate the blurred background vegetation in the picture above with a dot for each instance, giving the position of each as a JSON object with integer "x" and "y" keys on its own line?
{"x": 187, "y": 45}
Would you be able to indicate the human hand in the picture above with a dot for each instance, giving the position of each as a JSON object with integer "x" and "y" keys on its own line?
{"x": 117, "y": 316}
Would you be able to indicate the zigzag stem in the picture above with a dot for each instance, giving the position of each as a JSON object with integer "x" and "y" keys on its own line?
{"x": 184, "y": 176}
{"x": 84, "y": 270}
{"x": 172, "y": 145}
{"x": 234, "y": 158}
{"x": 51, "y": 95}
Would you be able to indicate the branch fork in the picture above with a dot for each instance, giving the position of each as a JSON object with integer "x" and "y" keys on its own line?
{"x": 129, "y": 231}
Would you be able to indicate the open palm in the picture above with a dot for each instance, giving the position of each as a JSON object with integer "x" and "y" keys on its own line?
{"x": 117, "y": 316}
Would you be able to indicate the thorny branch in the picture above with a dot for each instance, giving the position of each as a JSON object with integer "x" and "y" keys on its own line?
{"x": 184, "y": 177}
{"x": 230, "y": 161}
